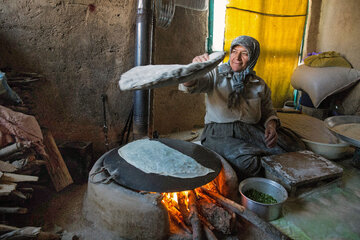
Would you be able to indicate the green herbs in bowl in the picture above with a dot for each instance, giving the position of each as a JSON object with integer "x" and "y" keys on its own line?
{"x": 260, "y": 197}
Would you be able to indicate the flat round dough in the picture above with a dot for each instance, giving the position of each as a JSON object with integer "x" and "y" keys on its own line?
{"x": 350, "y": 130}
{"x": 151, "y": 156}
{"x": 156, "y": 76}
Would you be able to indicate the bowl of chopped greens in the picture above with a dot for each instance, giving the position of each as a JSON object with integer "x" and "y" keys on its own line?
{"x": 263, "y": 196}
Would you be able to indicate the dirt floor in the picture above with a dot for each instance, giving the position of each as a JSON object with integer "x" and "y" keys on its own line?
{"x": 62, "y": 212}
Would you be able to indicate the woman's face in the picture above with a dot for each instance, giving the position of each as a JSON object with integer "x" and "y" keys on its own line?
{"x": 239, "y": 58}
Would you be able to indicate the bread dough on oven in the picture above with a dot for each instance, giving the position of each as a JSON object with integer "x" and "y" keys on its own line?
{"x": 151, "y": 156}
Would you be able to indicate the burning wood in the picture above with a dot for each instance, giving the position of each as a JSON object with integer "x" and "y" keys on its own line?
{"x": 246, "y": 214}
{"x": 194, "y": 217}
{"x": 183, "y": 205}
{"x": 205, "y": 210}
{"x": 192, "y": 214}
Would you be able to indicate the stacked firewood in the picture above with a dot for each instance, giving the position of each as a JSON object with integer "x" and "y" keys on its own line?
{"x": 23, "y": 84}
{"x": 19, "y": 174}
{"x": 22, "y": 165}
{"x": 203, "y": 213}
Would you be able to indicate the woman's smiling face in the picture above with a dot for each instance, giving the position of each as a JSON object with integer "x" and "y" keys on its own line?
{"x": 239, "y": 58}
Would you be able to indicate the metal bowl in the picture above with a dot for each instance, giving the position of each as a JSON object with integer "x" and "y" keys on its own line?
{"x": 267, "y": 212}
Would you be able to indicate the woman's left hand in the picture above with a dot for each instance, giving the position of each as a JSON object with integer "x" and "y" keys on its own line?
{"x": 271, "y": 134}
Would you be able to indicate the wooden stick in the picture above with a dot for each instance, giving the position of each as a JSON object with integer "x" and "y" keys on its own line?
{"x": 7, "y": 228}
{"x": 175, "y": 215}
{"x": 13, "y": 148}
{"x": 183, "y": 207}
{"x": 19, "y": 194}
{"x": 209, "y": 234}
{"x": 18, "y": 210}
{"x": 7, "y": 167}
{"x": 206, "y": 222}
{"x": 7, "y": 188}
{"x": 12, "y": 177}
{"x": 246, "y": 214}
{"x": 40, "y": 236}
{"x": 194, "y": 218}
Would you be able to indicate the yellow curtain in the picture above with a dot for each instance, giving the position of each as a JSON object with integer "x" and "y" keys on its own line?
{"x": 278, "y": 25}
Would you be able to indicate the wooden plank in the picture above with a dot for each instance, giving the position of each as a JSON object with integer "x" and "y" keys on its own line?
{"x": 12, "y": 177}
{"x": 18, "y": 210}
{"x": 7, "y": 167}
{"x": 56, "y": 166}
{"x": 7, "y": 188}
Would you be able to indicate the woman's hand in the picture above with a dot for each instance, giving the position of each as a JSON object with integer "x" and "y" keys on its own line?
{"x": 202, "y": 58}
{"x": 271, "y": 134}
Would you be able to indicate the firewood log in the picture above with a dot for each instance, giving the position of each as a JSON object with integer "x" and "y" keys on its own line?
{"x": 246, "y": 214}
{"x": 206, "y": 222}
{"x": 194, "y": 218}
{"x": 177, "y": 218}
{"x": 12, "y": 177}
{"x": 7, "y": 167}
{"x": 183, "y": 207}
{"x": 18, "y": 210}
{"x": 13, "y": 148}
{"x": 7, "y": 188}
{"x": 209, "y": 234}
{"x": 217, "y": 216}
{"x": 40, "y": 235}
{"x": 20, "y": 194}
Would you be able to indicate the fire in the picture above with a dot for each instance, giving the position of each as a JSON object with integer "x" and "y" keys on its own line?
{"x": 171, "y": 200}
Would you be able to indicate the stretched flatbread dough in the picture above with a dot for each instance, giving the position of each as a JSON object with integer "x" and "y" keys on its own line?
{"x": 156, "y": 76}
{"x": 152, "y": 156}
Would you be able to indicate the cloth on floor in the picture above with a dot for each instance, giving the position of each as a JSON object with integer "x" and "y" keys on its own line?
{"x": 327, "y": 59}
{"x": 243, "y": 145}
{"x": 155, "y": 76}
{"x": 22, "y": 128}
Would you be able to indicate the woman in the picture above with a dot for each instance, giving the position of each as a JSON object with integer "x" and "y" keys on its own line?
{"x": 240, "y": 121}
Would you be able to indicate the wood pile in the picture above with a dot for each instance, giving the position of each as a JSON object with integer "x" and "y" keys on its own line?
{"x": 23, "y": 169}
{"x": 204, "y": 213}
{"x": 20, "y": 168}
{"x": 23, "y": 84}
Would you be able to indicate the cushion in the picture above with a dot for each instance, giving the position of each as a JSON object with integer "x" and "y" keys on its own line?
{"x": 319, "y": 83}
{"x": 155, "y": 76}
{"x": 327, "y": 59}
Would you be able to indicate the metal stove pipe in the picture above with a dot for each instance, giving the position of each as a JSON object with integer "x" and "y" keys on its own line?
{"x": 143, "y": 46}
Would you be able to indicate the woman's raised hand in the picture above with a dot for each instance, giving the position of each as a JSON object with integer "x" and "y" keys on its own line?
{"x": 202, "y": 58}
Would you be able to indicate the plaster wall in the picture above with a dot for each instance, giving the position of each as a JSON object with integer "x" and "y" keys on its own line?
{"x": 81, "y": 48}
{"x": 339, "y": 29}
{"x": 312, "y": 27}
{"x": 184, "y": 39}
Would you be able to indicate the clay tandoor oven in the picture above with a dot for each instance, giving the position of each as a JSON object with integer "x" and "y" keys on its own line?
{"x": 131, "y": 204}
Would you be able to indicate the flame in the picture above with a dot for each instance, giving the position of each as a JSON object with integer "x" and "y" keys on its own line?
{"x": 171, "y": 200}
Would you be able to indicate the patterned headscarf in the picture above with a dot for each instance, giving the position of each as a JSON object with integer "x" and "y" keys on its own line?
{"x": 240, "y": 78}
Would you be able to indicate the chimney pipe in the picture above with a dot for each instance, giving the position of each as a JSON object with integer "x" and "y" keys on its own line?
{"x": 143, "y": 49}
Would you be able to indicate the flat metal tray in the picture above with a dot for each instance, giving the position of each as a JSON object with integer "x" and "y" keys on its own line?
{"x": 331, "y": 122}
{"x": 129, "y": 176}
